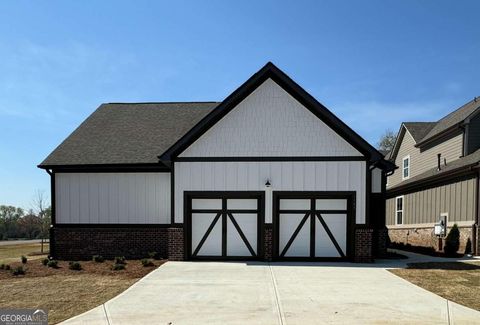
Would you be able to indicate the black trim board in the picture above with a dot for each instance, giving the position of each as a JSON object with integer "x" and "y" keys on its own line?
{"x": 107, "y": 168}
{"x": 272, "y": 72}
{"x": 266, "y": 158}
{"x": 114, "y": 225}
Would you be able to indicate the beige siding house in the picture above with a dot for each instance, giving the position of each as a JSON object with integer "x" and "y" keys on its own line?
{"x": 437, "y": 180}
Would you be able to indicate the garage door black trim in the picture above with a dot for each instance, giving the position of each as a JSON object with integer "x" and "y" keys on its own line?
{"x": 224, "y": 195}
{"x": 330, "y": 235}
{"x": 205, "y": 236}
{"x": 350, "y": 196}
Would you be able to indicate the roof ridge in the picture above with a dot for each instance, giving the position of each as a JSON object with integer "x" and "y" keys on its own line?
{"x": 474, "y": 100}
{"x": 153, "y": 103}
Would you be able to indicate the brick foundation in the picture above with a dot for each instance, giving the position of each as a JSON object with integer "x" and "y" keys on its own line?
{"x": 82, "y": 243}
{"x": 425, "y": 237}
{"x": 381, "y": 240}
{"x": 176, "y": 245}
{"x": 268, "y": 242}
{"x": 363, "y": 245}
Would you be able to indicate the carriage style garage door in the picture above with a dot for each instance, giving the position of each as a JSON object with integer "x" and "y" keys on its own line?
{"x": 312, "y": 225}
{"x": 224, "y": 225}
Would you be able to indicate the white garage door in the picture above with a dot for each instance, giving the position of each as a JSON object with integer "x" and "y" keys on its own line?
{"x": 224, "y": 225}
{"x": 312, "y": 226}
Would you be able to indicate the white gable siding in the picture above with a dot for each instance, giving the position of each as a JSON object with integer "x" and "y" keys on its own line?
{"x": 270, "y": 122}
{"x": 284, "y": 176}
{"x": 93, "y": 198}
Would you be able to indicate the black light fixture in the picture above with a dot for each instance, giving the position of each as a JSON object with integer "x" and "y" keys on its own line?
{"x": 267, "y": 183}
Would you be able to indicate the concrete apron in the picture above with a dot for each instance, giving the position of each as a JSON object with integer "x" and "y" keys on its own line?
{"x": 277, "y": 293}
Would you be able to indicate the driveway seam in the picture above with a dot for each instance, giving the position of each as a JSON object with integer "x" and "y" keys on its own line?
{"x": 106, "y": 315}
{"x": 277, "y": 297}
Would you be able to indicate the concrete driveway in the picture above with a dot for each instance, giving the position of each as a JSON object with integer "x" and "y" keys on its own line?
{"x": 286, "y": 293}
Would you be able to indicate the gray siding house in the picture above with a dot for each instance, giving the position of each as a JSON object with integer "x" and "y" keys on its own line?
{"x": 437, "y": 179}
{"x": 268, "y": 173}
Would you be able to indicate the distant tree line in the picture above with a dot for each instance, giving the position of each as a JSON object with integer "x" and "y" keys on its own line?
{"x": 17, "y": 223}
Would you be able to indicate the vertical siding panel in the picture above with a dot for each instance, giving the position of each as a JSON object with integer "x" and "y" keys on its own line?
{"x": 308, "y": 176}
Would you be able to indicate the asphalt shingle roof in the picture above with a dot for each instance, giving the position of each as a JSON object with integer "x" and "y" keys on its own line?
{"x": 471, "y": 159}
{"x": 419, "y": 130}
{"x": 120, "y": 133}
{"x": 455, "y": 117}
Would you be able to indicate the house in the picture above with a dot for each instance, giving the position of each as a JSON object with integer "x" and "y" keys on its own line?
{"x": 438, "y": 180}
{"x": 269, "y": 173}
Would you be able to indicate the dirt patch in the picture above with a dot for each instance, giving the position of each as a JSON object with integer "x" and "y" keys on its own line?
{"x": 455, "y": 281}
{"x": 64, "y": 292}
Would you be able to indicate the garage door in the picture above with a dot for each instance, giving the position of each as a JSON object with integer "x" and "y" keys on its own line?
{"x": 312, "y": 225}
{"x": 224, "y": 225}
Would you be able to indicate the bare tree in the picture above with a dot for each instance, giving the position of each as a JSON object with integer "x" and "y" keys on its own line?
{"x": 387, "y": 141}
{"x": 43, "y": 211}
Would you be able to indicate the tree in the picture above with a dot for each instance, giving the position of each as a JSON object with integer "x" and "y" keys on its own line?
{"x": 387, "y": 141}
{"x": 452, "y": 242}
{"x": 44, "y": 213}
{"x": 9, "y": 217}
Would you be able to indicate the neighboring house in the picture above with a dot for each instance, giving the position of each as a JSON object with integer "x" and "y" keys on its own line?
{"x": 437, "y": 179}
{"x": 269, "y": 173}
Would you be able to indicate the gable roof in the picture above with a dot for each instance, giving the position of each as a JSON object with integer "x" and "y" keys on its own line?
{"x": 418, "y": 130}
{"x": 120, "y": 133}
{"x": 272, "y": 72}
{"x": 454, "y": 119}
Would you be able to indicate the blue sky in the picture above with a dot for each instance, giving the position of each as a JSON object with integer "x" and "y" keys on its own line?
{"x": 373, "y": 63}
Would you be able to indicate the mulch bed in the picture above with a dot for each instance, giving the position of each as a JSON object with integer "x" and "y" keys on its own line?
{"x": 35, "y": 268}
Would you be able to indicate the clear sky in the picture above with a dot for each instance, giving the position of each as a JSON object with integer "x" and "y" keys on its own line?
{"x": 373, "y": 63}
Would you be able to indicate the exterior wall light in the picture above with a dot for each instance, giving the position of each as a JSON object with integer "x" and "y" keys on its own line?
{"x": 267, "y": 183}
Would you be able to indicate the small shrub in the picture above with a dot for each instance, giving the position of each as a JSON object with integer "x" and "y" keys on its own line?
{"x": 117, "y": 267}
{"x": 98, "y": 258}
{"x": 120, "y": 260}
{"x": 74, "y": 266}
{"x": 153, "y": 255}
{"x": 19, "y": 270}
{"x": 452, "y": 242}
{"x": 53, "y": 264}
{"x": 2, "y": 266}
{"x": 7, "y": 267}
{"x": 24, "y": 259}
{"x": 147, "y": 262}
{"x": 45, "y": 261}
{"x": 468, "y": 247}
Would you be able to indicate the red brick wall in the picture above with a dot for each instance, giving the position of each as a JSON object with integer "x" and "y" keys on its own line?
{"x": 268, "y": 242}
{"x": 82, "y": 243}
{"x": 363, "y": 245}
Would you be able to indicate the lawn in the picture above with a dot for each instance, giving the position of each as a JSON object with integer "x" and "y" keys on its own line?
{"x": 455, "y": 281}
{"x": 12, "y": 253}
{"x": 64, "y": 292}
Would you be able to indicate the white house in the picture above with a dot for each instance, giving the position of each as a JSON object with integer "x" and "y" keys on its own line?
{"x": 268, "y": 173}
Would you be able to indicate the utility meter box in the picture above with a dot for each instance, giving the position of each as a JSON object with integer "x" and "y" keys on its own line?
{"x": 441, "y": 226}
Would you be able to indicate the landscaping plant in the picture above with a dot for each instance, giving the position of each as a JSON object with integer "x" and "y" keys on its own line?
{"x": 452, "y": 242}
{"x": 76, "y": 266}
{"x": 53, "y": 264}
{"x": 2, "y": 266}
{"x": 7, "y": 267}
{"x": 19, "y": 270}
{"x": 147, "y": 262}
{"x": 24, "y": 259}
{"x": 98, "y": 258}
{"x": 45, "y": 261}
{"x": 117, "y": 267}
{"x": 120, "y": 260}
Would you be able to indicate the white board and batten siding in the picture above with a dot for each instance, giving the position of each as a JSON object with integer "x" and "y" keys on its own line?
{"x": 284, "y": 176}
{"x": 270, "y": 123}
{"x": 112, "y": 198}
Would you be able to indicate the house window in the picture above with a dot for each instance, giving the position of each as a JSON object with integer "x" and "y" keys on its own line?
{"x": 406, "y": 167}
{"x": 399, "y": 210}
